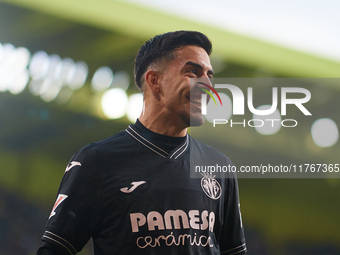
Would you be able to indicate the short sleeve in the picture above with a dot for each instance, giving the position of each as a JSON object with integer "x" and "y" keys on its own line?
{"x": 78, "y": 207}
{"x": 232, "y": 240}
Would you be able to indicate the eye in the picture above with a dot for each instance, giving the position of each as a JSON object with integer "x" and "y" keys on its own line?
{"x": 192, "y": 71}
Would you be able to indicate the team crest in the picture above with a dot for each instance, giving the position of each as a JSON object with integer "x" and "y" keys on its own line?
{"x": 210, "y": 186}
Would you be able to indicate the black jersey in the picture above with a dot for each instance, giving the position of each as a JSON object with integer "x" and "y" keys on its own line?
{"x": 133, "y": 194}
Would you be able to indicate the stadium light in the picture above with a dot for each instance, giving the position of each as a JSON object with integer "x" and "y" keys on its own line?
{"x": 114, "y": 103}
{"x": 102, "y": 79}
{"x": 325, "y": 132}
{"x": 135, "y": 107}
{"x": 121, "y": 80}
{"x": 268, "y": 127}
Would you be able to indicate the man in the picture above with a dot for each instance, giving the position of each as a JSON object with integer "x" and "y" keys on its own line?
{"x": 132, "y": 193}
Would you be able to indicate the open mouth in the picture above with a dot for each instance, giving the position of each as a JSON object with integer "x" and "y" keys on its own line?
{"x": 195, "y": 94}
{"x": 196, "y": 100}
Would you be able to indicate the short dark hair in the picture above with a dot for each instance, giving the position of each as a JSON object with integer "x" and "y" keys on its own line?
{"x": 162, "y": 47}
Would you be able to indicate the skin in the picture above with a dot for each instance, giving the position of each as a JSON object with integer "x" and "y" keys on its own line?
{"x": 169, "y": 94}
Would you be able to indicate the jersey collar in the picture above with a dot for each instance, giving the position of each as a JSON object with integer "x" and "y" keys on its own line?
{"x": 140, "y": 135}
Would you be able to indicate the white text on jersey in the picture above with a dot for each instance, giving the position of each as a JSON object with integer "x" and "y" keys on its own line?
{"x": 178, "y": 217}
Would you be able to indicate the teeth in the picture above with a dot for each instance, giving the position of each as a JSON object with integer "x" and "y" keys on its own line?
{"x": 195, "y": 101}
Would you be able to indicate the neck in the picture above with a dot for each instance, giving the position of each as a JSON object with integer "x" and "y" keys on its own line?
{"x": 161, "y": 123}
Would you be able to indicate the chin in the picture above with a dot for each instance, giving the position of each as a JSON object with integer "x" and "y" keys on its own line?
{"x": 192, "y": 120}
{"x": 196, "y": 122}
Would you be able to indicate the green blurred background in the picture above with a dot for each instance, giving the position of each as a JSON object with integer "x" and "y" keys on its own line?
{"x": 51, "y": 54}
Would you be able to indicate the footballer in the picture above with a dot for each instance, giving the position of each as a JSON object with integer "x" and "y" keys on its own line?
{"x": 132, "y": 192}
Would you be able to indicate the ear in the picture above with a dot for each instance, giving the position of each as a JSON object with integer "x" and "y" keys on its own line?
{"x": 153, "y": 80}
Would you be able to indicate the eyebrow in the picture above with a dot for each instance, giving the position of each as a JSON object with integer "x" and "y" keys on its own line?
{"x": 198, "y": 66}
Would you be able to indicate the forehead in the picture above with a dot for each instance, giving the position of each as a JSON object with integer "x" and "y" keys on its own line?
{"x": 194, "y": 54}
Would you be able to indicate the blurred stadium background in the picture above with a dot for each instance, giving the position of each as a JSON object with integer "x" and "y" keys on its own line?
{"x": 65, "y": 65}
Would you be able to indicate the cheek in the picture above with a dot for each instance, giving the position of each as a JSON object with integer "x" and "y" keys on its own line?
{"x": 171, "y": 91}
{"x": 175, "y": 91}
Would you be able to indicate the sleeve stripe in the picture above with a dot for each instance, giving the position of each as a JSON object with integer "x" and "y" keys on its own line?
{"x": 245, "y": 249}
{"x": 235, "y": 250}
{"x": 46, "y": 237}
{"x": 59, "y": 240}
{"x": 62, "y": 240}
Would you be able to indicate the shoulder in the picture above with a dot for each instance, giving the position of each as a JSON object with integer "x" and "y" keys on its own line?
{"x": 110, "y": 142}
{"x": 103, "y": 148}
{"x": 91, "y": 159}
